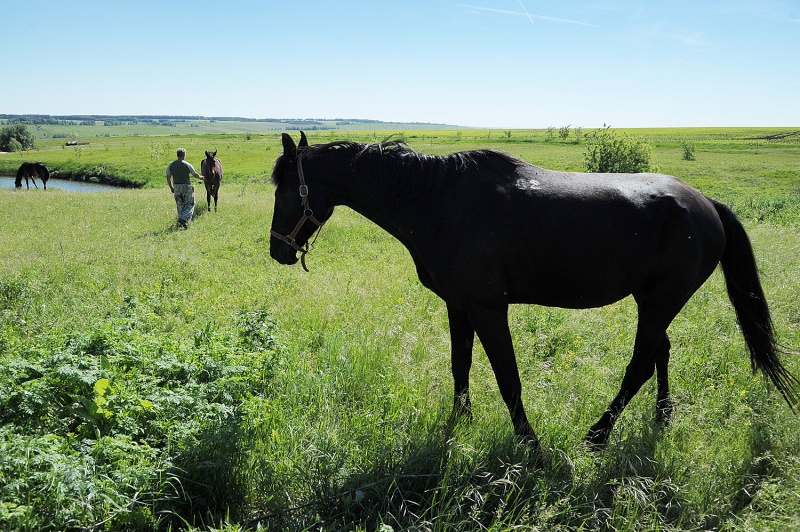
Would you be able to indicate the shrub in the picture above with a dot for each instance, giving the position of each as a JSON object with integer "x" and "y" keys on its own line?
{"x": 13, "y": 145}
{"x": 15, "y": 137}
{"x": 688, "y": 150}
{"x": 609, "y": 152}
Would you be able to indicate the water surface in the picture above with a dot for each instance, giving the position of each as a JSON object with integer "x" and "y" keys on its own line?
{"x": 74, "y": 186}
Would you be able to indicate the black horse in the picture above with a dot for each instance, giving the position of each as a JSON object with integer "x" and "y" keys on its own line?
{"x": 30, "y": 171}
{"x": 486, "y": 230}
{"x": 211, "y": 168}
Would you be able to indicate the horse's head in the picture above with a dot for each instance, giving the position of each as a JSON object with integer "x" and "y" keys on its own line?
{"x": 208, "y": 166}
{"x": 300, "y": 208}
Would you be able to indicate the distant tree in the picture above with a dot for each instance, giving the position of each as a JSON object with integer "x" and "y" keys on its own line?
{"x": 20, "y": 134}
{"x": 611, "y": 153}
{"x": 563, "y": 132}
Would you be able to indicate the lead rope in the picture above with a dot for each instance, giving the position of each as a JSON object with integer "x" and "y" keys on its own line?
{"x": 308, "y": 248}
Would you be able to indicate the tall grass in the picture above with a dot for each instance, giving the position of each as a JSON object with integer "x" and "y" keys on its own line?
{"x": 154, "y": 378}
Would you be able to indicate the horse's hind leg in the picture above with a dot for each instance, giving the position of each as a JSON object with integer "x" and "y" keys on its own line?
{"x": 664, "y": 405}
{"x": 650, "y": 351}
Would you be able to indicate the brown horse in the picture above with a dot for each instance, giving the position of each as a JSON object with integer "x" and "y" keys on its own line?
{"x": 30, "y": 171}
{"x": 211, "y": 168}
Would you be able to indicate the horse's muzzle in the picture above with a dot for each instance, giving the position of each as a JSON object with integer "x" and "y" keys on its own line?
{"x": 283, "y": 253}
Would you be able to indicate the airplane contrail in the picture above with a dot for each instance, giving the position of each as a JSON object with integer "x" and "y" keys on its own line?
{"x": 526, "y": 11}
{"x": 517, "y": 13}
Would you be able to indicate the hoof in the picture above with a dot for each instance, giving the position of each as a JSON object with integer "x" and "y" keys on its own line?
{"x": 533, "y": 450}
{"x": 462, "y": 409}
{"x": 597, "y": 438}
{"x": 665, "y": 409}
{"x": 531, "y": 442}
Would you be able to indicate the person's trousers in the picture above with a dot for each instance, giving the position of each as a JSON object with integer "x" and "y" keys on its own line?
{"x": 184, "y": 200}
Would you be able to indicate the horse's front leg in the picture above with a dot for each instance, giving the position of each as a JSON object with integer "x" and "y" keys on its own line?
{"x": 462, "y": 338}
{"x": 491, "y": 324}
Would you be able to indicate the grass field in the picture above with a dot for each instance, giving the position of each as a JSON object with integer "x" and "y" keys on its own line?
{"x": 152, "y": 378}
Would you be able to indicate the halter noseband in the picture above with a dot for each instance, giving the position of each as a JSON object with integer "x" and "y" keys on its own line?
{"x": 308, "y": 214}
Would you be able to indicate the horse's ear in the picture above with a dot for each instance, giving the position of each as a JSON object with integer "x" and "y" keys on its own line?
{"x": 207, "y": 154}
{"x": 303, "y": 140}
{"x": 214, "y": 154}
{"x": 289, "y": 148}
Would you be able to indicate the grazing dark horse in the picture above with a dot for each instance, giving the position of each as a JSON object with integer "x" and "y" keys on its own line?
{"x": 31, "y": 170}
{"x": 486, "y": 230}
{"x": 211, "y": 168}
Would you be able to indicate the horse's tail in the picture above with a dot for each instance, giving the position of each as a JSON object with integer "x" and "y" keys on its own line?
{"x": 44, "y": 171}
{"x": 744, "y": 289}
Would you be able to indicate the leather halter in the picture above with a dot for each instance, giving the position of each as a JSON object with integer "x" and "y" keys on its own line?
{"x": 308, "y": 214}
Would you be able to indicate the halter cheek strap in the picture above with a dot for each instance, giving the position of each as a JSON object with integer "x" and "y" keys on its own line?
{"x": 308, "y": 214}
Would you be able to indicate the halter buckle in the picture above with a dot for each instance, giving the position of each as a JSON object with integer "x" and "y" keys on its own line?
{"x": 303, "y": 191}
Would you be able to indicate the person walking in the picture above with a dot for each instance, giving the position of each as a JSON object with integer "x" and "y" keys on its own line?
{"x": 179, "y": 174}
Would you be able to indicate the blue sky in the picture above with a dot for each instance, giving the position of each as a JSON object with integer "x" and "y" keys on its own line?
{"x": 481, "y": 63}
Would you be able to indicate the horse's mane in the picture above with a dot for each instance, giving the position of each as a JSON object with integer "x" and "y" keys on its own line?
{"x": 408, "y": 172}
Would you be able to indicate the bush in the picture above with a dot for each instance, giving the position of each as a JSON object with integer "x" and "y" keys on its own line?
{"x": 13, "y": 145}
{"x": 611, "y": 153}
{"x": 688, "y": 150}
{"x": 16, "y": 137}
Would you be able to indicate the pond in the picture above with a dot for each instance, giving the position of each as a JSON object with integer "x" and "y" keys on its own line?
{"x": 74, "y": 186}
